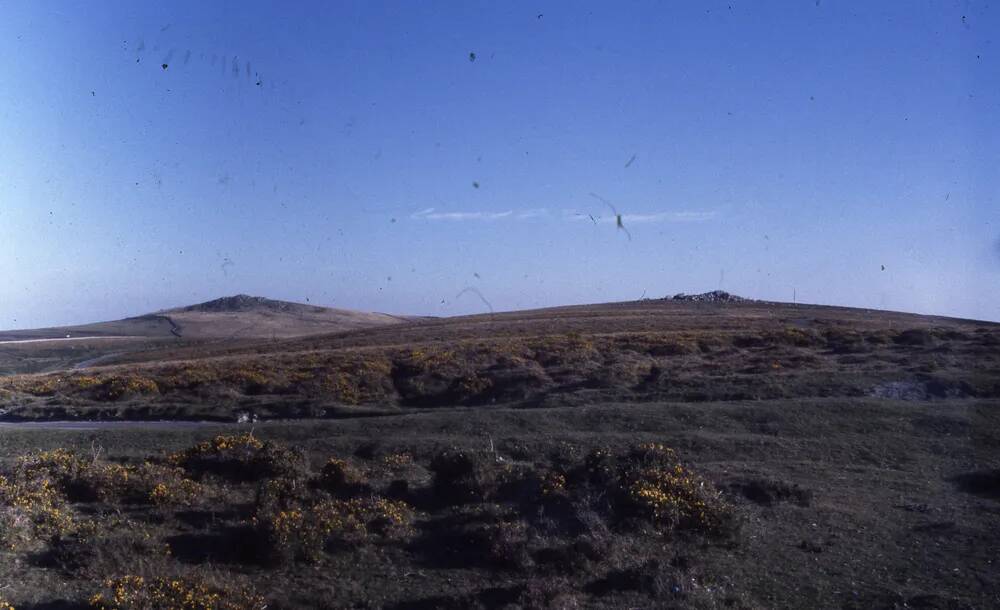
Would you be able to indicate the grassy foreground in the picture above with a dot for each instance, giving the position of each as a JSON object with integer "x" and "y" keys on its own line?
{"x": 828, "y": 503}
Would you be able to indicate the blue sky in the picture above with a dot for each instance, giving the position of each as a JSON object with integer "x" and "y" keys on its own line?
{"x": 353, "y": 154}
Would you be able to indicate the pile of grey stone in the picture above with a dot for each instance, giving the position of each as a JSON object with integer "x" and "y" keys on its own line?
{"x": 715, "y": 296}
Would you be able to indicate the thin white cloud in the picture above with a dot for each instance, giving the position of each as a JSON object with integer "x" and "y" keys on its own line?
{"x": 534, "y": 213}
{"x": 433, "y": 214}
{"x": 685, "y": 216}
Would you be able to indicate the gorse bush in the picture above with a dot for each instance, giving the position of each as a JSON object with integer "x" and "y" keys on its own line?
{"x": 463, "y": 476}
{"x": 286, "y": 531}
{"x": 32, "y": 499}
{"x": 240, "y": 447}
{"x": 188, "y": 377}
{"x": 84, "y": 382}
{"x": 553, "y": 483}
{"x": 96, "y": 387}
{"x": 291, "y": 521}
{"x": 134, "y": 592}
{"x": 92, "y": 480}
{"x": 56, "y": 464}
{"x": 118, "y": 387}
{"x": 645, "y": 484}
{"x": 562, "y": 513}
{"x": 671, "y": 498}
{"x": 650, "y": 484}
{"x": 341, "y": 477}
{"x": 240, "y": 457}
{"x": 395, "y": 461}
{"x": 252, "y": 379}
{"x": 31, "y": 510}
{"x": 168, "y": 486}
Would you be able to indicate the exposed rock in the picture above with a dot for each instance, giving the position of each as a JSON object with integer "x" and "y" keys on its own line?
{"x": 246, "y": 417}
{"x": 242, "y": 302}
{"x": 715, "y": 296}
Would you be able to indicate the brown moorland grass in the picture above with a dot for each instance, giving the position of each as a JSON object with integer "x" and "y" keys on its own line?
{"x": 690, "y": 365}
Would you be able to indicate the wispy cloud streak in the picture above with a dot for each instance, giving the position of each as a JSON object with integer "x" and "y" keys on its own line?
{"x": 433, "y": 214}
{"x": 684, "y": 216}
{"x": 534, "y": 213}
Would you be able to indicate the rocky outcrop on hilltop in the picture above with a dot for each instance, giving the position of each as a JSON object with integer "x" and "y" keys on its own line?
{"x": 715, "y": 296}
{"x": 243, "y": 302}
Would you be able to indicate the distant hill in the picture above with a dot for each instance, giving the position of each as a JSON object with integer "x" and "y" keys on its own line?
{"x": 229, "y": 320}
{"x": 244, "y": 316}
{"x": 239, "y": 316}
{"x": 243, "y": 302}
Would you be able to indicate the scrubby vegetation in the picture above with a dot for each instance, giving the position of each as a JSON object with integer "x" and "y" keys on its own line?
{"x": 240, "y": 457}
{"x": 708, "y": 457}
{"x": 30, "y": 510}
{"x": 554, "y": 369}
{"x": 96, "y": 520}
{"x": 133, "y": 592}
{"x": 94, "y": 480}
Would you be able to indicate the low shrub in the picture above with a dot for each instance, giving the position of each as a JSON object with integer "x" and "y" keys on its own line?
{"x": 341, "y": 477}
{"x": 672, "y": 348}
{"x": 56, "y": 464}
{"x": 30, "y": 511}
{"x": 553, "y": 483}
{"x": 654, "y": 485}
{"x": 505, "y": 545}
{"x": 463, "y": 477}
{"x": 41, "y": 387}
{"x": 291, "y": 522}
{"x": 395, "y": 462}
{"x": 118, "y": 387}
{"x": 166, "y": 486}
{"x": 571, "y": 349}
{"x": 364, "y": 378}
{"x": 134, "y": 592}
{"x": 241, "y": 457}
{"x": 845, "y": 341}
{"x": 254, "y": 378}
{"x": 915, "y": 337}
{"x": 188, "y": 377}
{"x": 286, "y": 531}
{"x": 84, "y": 382}
{"x": 798, "y": 337}
{"x": 83, "y": 480}
{"x": 649, "y": 484}
{"x": 100, "y": 547}
{"x": 281, "y": 494}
